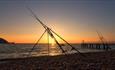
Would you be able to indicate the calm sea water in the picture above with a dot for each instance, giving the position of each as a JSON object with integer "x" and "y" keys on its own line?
{"x": 22, "y": 50}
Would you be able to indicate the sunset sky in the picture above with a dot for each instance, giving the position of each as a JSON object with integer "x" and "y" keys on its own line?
{"x": 74, "y": 20}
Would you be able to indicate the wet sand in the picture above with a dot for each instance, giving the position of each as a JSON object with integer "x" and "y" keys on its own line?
{"x": 91, "y": 61}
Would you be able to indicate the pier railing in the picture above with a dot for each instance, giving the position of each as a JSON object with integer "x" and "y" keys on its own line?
{"x": 101, "y": 46}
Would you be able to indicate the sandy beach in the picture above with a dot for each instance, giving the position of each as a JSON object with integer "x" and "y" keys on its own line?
{"x": 91, "y": 61}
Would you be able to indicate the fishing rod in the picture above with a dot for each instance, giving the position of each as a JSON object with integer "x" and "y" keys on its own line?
{"x": 103, "y": 40}
{"x": 50, "y": 31}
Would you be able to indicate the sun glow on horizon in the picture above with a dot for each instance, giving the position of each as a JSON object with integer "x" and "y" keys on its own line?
{"x": 69, "y": 38}
{"x": 52, "y": 42}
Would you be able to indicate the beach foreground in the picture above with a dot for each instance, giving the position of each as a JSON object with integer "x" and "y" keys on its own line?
{"x": 91, "y": 61}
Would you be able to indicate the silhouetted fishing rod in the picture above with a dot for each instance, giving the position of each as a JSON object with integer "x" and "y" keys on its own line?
{"x": 102, "y": 39}
{"x": 100, "y": 36}
{"x": 46, "y": 27}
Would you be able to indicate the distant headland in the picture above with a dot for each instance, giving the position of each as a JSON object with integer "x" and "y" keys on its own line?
{"x": 3, "y": 41}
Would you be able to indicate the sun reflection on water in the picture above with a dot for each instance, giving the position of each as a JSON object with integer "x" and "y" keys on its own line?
{"x": 54, "y": 50}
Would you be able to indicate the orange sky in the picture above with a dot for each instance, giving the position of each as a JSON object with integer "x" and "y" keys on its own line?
{"x": 34, "y": 38}
{"x": 73, "y": 20}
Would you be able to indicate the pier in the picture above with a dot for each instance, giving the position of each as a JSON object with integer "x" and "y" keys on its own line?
{"x": 100, "y": 46}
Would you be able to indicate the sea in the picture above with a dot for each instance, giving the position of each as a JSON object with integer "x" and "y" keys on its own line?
{"x": 26, "y": 50}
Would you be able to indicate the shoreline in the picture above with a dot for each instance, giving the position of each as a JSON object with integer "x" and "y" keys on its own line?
{"x": 94, "y": 52}
{"x": 93, "y": 60}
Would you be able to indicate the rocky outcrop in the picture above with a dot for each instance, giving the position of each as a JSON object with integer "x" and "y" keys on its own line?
{"x": 3, "y": 41}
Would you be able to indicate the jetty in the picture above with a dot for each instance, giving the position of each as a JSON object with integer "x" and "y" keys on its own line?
{"x": 99, "y": 46}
